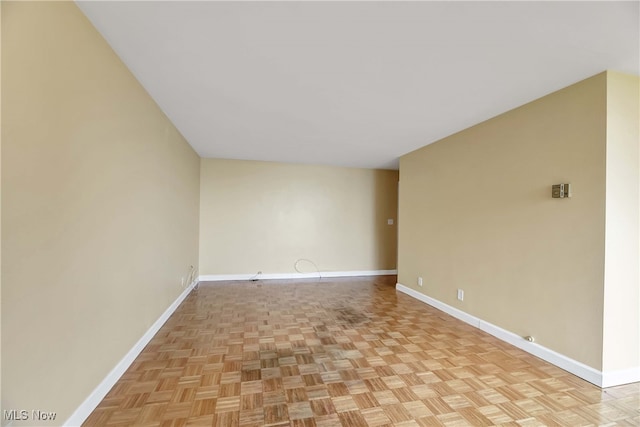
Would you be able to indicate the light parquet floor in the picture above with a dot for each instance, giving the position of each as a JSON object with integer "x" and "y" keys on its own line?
{"x": 343, "y": 352}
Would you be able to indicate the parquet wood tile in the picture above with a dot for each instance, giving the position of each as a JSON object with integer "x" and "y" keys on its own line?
{"x": 343, "y": 352}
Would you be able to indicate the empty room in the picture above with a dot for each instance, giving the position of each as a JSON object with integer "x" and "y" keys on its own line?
{"x": 320, "y": 213}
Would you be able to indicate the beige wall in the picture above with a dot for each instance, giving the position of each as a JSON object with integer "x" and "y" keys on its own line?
{"x": 476, "y": 213}
{"x": 262, "y": 216}
{"x": 621, "y": 348}
{"x": 100, "y": 202}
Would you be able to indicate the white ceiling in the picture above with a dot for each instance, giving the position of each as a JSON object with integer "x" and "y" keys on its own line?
{"x": 356, "y": 83}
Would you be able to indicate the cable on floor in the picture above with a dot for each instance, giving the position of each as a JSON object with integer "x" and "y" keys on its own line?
{"x": 295, "y": 265}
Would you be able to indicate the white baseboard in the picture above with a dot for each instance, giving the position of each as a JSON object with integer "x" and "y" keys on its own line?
{"x": 594, "y": 376}
{"x": 458, "y": 314}
{"x": 221, "y": 277}
{"x": 624, "y": 376}
{"x": 96, "y": 396}
{"x": 579, "y": 369}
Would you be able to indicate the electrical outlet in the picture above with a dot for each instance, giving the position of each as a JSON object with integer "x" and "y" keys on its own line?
{"x": 183, "y": 280}
{"x": 460, "y": 294}
{"x": 419, "y": 281}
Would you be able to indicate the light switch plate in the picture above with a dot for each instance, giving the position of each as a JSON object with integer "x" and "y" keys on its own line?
{"x": 561, "y": 191}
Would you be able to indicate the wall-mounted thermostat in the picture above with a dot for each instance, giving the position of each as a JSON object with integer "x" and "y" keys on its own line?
{"x": 561, "y": 191}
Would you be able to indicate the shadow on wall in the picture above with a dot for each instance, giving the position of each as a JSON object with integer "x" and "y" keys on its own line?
{"x": 386, "y": 209}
